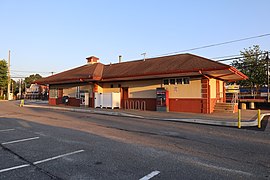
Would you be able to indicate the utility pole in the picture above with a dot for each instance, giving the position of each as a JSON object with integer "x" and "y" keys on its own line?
{"x": 8, "y": 90}
{"x": 267, "y": 62}
{"x": 20, "y": 88}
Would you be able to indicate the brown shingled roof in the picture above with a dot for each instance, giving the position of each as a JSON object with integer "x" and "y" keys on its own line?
{"x": 88, "y": 72}
{"x": 166, "y": 66}
{"x": 160, "y": 67}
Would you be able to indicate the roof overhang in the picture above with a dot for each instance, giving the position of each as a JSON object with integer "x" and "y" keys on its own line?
{"x": 68, "y": 80}
{"x": 228, "y": 74}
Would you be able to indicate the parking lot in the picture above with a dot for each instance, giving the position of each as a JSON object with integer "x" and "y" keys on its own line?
{"x": 31, "y": 155}
{"x": 53, "y": 144}
{"x": 33, "y": 151}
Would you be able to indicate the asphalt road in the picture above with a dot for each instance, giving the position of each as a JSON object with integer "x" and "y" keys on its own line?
{"x": 45, "y": 144}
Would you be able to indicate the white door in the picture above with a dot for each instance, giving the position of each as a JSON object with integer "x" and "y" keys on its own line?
{"x": 86, "y": 99}
{"x": 98, "y": 100}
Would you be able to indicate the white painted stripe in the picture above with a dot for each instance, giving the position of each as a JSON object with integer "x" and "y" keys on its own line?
{"x": 5, "y": 130}
{"x": 56, "y": 157}
{"x": 224, "y": 169}
{"x": 20, "y": 140}
{"x": 41, "y": 161}
{"x": 151, "y": 175}
{"x": 15, "y": 167}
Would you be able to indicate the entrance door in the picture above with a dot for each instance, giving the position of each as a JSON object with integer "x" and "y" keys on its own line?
{"x": 124, "y": 96}
{"x": 82, "y": 98}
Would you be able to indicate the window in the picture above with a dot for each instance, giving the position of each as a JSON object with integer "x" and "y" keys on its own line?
{"x": 186, "y": 80}
{"x": 179, "y": 81}
{"x": 166, "y": 82}
{"x": 78, "y": 92}
{"x": 53, "y": 93}
{"x": 172, "y": 81}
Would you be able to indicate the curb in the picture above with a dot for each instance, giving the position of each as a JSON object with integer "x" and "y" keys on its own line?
{"x": 185, "y": 120}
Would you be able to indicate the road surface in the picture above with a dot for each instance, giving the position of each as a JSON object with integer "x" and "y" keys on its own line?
{"x": 52, "y": 144}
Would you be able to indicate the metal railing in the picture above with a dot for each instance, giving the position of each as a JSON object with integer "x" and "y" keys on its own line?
{"x": 234, "y": 98}
{"x": 135, "y": 104}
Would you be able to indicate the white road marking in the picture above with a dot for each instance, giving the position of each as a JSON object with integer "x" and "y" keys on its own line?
{"x": 20, "y": 140}
{"x": 224, "y": 169}
{"x": 5, "y": 130}
{"x": 151, "y": 175}
{"x": 15, "y": 167}
{"x": 56, "y": 157}
{"x": 41, "y": 161}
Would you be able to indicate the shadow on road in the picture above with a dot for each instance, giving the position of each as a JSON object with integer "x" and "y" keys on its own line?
{"x": 264, "y": 124}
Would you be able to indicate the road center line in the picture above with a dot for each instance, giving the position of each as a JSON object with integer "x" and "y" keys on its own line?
{"x": 5, "y": 130}
{"x": 20, "y": 140}
{"x": 56, "y": 157}
{"x": 151, "y": 175}
{"x": 41, "y": 161}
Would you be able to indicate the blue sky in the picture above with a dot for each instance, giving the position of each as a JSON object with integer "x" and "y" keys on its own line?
{"x": 52, "y": 36}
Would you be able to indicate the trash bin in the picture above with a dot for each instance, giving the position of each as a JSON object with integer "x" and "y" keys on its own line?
{"x": 65, "y": 100}
{"x": 243, "y": 106}
{"x": 252, "y": 105}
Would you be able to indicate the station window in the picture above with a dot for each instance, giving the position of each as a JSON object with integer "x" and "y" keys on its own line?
{"x": 53, "y": 93}
{"x": 78, "y": 92}
{"x": 179, "y": 81}
{"x": 186, "y": 80}
{"x": 166, "y": 81}
{"x": 172, "y": 81}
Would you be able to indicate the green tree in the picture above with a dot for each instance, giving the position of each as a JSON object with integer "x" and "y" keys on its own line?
{"x": 3, "y": 76}
{"x": 253, "y": 64}
{"x": 29, "y": 80}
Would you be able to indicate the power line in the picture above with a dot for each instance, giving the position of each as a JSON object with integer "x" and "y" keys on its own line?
{"x": 222, "y": 57}
{"x": 217, "y": 44}
{"x": 18, "y": 76}
{"x": 30, "y": 71}
{"x": 240, "y": 57}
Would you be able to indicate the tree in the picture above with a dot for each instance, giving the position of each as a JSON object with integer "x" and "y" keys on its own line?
{"x": 253, "y": 64}
{"x": 29, "y": 80}
{"x": 3, "y": 76}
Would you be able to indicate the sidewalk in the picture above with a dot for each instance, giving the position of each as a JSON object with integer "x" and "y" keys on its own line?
{"x": 248, "y": 117}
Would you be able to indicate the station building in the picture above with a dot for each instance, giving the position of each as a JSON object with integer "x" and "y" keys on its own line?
{"x": 184, "y": 82}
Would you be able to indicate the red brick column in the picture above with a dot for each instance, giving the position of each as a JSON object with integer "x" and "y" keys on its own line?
{"x": 205, "y": 95}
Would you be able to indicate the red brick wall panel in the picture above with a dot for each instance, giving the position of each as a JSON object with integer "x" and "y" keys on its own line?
{"x": 55, "y": 101}
{"x": 186, "y": 105}
{"x": 73, "y": 102}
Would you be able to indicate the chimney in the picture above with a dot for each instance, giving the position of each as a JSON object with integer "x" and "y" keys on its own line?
{"x": 92, "y": 60}
{"x": 120, "y": 59}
